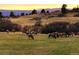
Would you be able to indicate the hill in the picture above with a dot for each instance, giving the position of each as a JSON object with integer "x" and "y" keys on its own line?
{"x": 46, "y": 19}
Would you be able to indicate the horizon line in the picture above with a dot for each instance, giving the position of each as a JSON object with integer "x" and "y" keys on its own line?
{"x": 33, "y": 6}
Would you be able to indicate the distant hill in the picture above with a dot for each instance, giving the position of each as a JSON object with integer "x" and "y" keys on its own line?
{"x": 18, "y": 12}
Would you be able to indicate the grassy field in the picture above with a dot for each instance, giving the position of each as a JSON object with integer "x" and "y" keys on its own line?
{"x": 18, "y": 43}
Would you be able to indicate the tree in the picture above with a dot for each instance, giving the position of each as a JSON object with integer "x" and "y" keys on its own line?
{"x": 43, "y": 11}
{"x": 1, "y": 15}
{"x": 75, "y": 9}
{"x": 34, "y": 12}
{"x": 55, "y": 27}
{"x": 63, "y": 9}
{"x": 12, "y": 14}
{"x": 26, "y": 13}
{"x": 47, "y": 11}
{"x": 22, "y": 14}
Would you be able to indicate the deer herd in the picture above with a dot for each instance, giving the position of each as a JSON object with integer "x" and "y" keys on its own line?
{"x": 54, "y": 35}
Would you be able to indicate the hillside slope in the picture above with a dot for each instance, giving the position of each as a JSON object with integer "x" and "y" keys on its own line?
{"x": 28, "y": 20}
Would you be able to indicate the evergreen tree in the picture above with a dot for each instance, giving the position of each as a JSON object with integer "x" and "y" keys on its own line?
{"x": 47, "y": 11}
{"x": 34, "y": 12}
{"x": 12, "y": 14}
{"x": 26, "y": 13}
{"x": 63, "y": 9}
{"x": 22, "y": 14}
{"x": 43, "y": 11}
{"x": 1, "y": 15}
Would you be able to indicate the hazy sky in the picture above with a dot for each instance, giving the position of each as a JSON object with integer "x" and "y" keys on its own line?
{"x": 32, "y": 6}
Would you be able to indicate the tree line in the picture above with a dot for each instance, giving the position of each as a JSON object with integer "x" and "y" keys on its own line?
{"x": 64, "y": 11}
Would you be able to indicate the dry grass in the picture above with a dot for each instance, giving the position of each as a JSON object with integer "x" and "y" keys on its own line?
{"x": 25, "y": 20}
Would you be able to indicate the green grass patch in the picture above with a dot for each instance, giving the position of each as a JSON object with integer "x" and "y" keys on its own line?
{"x": 19, "y": 44}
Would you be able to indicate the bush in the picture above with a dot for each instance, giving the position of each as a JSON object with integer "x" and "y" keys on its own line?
{"x": 8, "y": 25}
{"x": 55, "y": 27}
{"x": 76, "y": 27}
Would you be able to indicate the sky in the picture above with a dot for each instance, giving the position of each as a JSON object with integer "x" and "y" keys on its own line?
{"x": 39, "y": 1}
{"x": 32, "y": 6}
{"x": 35, "y": 4}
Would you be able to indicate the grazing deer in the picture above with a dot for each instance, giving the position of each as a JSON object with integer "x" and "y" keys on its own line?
{"x": 54, "y": 35}
{"x": 7, "y": 31}
{"x": 30, "y": 34}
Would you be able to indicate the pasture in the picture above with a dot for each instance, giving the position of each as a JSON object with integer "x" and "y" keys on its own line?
{"x": 19, "y": 44}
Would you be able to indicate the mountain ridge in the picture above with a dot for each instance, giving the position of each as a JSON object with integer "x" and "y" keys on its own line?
{"x": 18, "y": 12}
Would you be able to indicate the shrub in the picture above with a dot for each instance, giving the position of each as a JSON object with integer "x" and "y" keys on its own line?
{"x": 55, "y": 27}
